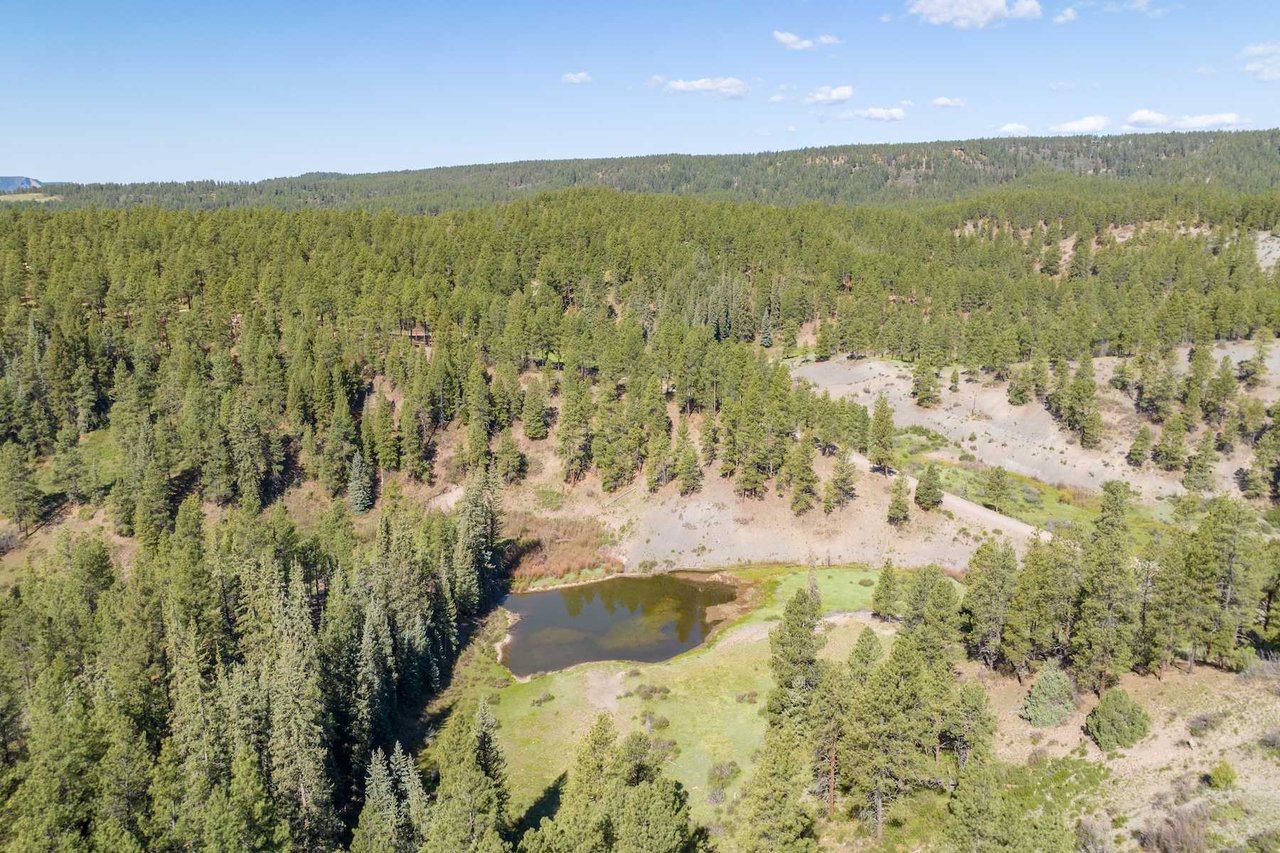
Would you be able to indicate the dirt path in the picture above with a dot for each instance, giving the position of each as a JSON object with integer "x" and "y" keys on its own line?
{"x": 967, "y": 510}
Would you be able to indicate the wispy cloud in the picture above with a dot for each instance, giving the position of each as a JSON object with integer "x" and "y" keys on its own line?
{"x": 575, "y": 77}
{"x": 1013, "y": 128}
{"x": 1142, "y": 7}
{"x": 1066, "y": 16}
{"x": 725, "y": 87}
{"x": 1146, "y": 119}
{"x": 829, "y": 95}
{"x": 878, "y": 114}
{"x": 791, "y": 41}
{"x": 943, "y": 101}
{"x": 973, "y": 14}
{"x": 1088, "y": 124}
{"x": 1062, "y": 85}
{"x": 1262, "y": 60}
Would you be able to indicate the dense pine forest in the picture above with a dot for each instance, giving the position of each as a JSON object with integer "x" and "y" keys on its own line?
{"x": 248, "y": 684}
{"x": 1242, "y": 162}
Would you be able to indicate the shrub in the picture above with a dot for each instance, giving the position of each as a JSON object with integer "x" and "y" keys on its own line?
{"x": 1118, "y": 721}
{"x": 1093, "y": 836}
{"x": 1051, "y": 699}
{"x": 1184, "y": 830}
{"x": 1201, "y": 724}
{"x": 1222, "y": 776}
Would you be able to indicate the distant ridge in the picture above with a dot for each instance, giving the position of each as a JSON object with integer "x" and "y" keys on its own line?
{"x": 1212, "y": 161}
{"x": 9, "y": 183}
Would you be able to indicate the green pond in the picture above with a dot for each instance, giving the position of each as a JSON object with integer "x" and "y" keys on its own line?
{"x": 643, "y": 619}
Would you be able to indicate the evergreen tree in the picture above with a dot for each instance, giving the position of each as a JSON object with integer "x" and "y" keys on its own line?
{"x": 880, "y": 436}
{"x": 800, "y": 476}
{"x": 509, "y": 462}
{"x": 1140, "y": 450}
{"x": 839, "y": 489}
{"x": 899, "y": 502}
{"x": 688, "y": 470}
{"x": 1170, "y": 452}
{"x": 929, "y": 488}
{"x": 773, "y": 817}
{"x": 1199, "y": 475}
{"x": 470, "y": 807}
{"x": 243, "y": 817}
{"x": 793, "y": 658}
{"x": 19, "y": 496}
{"x": 990, "y": 589}
{"x": 885, "y": 600}
{"x": 360, "y": 484}
{"x": 924, "y": 384}
{"x": 534, "y": 414}
{"x": 996, "y": 488}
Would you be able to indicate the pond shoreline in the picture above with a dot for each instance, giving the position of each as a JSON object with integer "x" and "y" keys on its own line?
{"x": 717, "y": 616}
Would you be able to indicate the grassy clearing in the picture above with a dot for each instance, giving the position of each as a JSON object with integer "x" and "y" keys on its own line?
{"x": 710, "y": 710}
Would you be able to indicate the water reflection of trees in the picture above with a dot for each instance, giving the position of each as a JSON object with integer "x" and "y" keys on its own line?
{"x": 658, "y": 601}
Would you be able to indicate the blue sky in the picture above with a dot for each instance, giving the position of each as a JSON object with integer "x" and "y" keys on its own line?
{"x": 233, "y": 90}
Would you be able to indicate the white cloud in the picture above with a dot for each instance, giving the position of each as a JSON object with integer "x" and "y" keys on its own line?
{"x": 777, "y": 99}
{"x": 1014, "y": 128}
{"x": 1066, "y": 16}
{"x": 1148, "y": 118}
{"x": 907, "y": 102}
{"x": 973, "y": 14}
{"x": 1088, "y": 124}
{"x": 1062, "y": 85}
{"x": 1151, "y": 118}
{"x": 791, "y": 128}
{"x": 576, "y": 77}
{"x": 1143, "y": 7}
{"x": 1204, "y": 70}
{"x": 878, "y": 114}
{"x": 791, "y": 41}
{"x": 885, "y": 18}
{"x": 725, "y": 87}
{"x": 943, "y": 101}
{"x": 1263, "y": 60}
{"x": 829, "y": 95}
{"x": 655, "y": 80}
{"x": 1209, "y": 120}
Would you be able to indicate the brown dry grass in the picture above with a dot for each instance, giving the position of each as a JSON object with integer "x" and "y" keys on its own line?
{"x": 556, "y": 546}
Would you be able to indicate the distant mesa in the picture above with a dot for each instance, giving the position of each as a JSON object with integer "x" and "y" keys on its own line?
{"x": 9, "y": 183}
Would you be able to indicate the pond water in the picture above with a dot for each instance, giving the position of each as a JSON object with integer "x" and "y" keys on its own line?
{"x": 642, "y": 619}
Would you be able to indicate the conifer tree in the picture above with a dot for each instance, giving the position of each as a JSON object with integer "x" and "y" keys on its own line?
{"x": 990, "y": 589}
{"x": 688, "y": 470}
{"x": 839, "y": 489}
{"x": 509, "y": 462}
{"x": 885, "y": 601}
{"x": 899, "y": 502}
{"x": 929, "y": 488}
{"x": 1199, "y": 475}
{"x": 880, "y": 436}
{"x": 924, "y": 384}
{"x": 800, "y": 476}
{"x": 996, "y": 488}
{"x": 1170, "y": 452}
{"x": 534, "y": 413}
{"x": 243, "y": 817}
{"x": 1140, "y": 450}
{"x": 773, "y": 817}
{"x": 360, "y": 485}
{"x": 793, "y": 658}
{"x": 469, "y": 813}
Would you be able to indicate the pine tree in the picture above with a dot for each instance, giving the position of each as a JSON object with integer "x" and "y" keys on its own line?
{"x": 880, "y": 436}
{"x": 688, "y": 470}
{"x": 386, "y": 435}
{"x": 839, "y": 489}
{"x": 882, "y": 758}
{"x": 793, "y": 658}
{"x": 773, "y": 817}
{"x": 19, "y": 496}
{"x": 573, "y": 433}
{"x": 924, "y": 384}
{"x": 360, "y": 484}
{"x": 243, "y": 818}
{"x": 1170, "y": 452}
{"x": 1199, "y": 475}
{"x": 470, "y": 807}
{"x": 534, "y": 413}
{"x": 996, "y": 488}
{"x": 803, "y": 481}
{"x": 885, "y": 601}
{"x": 509, "y": 462}
{"x": 954, "y": 384}
{"x": 478, "y": 520}
{"x": 990, "y": 588}
{"x": 1102, "y": 643}
{"x": 899, "y": 502}
{"x": 929, "y": 488}
{"x": 1140, "y": 450}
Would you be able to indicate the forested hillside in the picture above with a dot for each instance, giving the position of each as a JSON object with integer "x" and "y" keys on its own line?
{"x": 247, "y": 684}
{"x": 1240, "y": 162}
